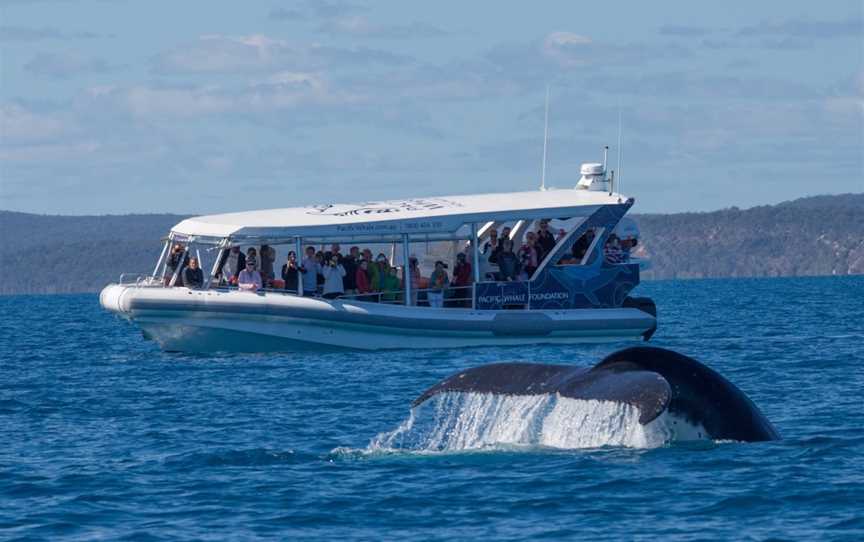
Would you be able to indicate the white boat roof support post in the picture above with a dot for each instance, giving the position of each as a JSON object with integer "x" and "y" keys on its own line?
{"x": 475, "y": 262}
{"x": 432, "y": 219}
{"x": 161, "y": 257}
{"x": 215, "y": 269}
{"x": 298, "y": 256}
{"x": 406, "y": 268}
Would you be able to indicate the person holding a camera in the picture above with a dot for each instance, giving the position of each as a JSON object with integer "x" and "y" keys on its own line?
{"x": 333, "y": 274}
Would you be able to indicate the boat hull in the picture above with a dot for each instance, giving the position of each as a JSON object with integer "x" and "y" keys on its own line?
{"x": 180, "y": 319}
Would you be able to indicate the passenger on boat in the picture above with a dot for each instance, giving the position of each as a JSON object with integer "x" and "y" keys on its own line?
{"x": 290, "y": 272}
{"x": 309, "y": 272}
{"x": 249, "y": 279}
{"x": 349, "y": 262}
{"x": 361, "y": 279}
{"x": 492, "y": 243}
{"x": 612, "y": 250}
{"x": 438, "y": 280}
{"x": 528, "y": 256}
{"x": 568, "y": 259}
{"x": 463, "y": 276}
{"x": 233, "y": 261}
{"x": 508, "y": 262}
{"x": 319, "y": 278}
{"x": 581, "y": 246}
{"x": 392, "y": 286}
{"x": 414, "y": 274}
{"x": 489, "y": 257}
{"x": 545, "y": 240}
{"x": 627, "y": 246}
{"x": 377, "y": 272}
{"x": 252, "y": 257}
{"x": 193, "y": 277}
{"x": 333, "y": 273}
{"x": 268, "y": 258}
{"x": 177, "y": 258}
{"x": 562, "y": 233}
{"x": 336, "y": 253}
{"x": 571, "y": 258}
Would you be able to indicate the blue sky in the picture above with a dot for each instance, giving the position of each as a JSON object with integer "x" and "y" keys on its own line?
{"x": 201, "y": 107}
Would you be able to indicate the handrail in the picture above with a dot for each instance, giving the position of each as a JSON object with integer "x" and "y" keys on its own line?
{"x": 373, "y": 297}
{"x": 140, "y": 279}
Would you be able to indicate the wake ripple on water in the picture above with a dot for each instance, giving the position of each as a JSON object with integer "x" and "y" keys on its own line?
{"x": 458, "y": 421}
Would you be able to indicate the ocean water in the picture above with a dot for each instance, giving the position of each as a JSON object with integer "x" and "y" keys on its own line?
{"x": 104, "y": 437}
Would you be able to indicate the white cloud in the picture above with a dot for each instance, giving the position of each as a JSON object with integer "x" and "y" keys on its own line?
{"x": 66, "y": 64}
{"x": 27, "y": 34}
{"x": 276, "y": 92}
{"x": 18, "y": 124}
{"x": 847, "y": 101}
{"x": 256, "y": 53}
{"x": 852, "y": 26}
{"x": 361, "y": 26}
{"x": 316, "y": 9}
{"x": 216, "y": 53}
{"x": 41, "y": 153}
{"x": 567, "y": 48}
{"x": 144, "y": 101}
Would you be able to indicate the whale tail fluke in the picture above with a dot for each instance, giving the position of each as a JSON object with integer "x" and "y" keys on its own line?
{"x": 654, "y": 380}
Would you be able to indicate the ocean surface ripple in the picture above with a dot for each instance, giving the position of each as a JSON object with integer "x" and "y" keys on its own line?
{"x": 105, "y": 437}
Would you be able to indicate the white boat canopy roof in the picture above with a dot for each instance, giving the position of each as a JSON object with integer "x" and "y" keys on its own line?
{"x": 421, "y": 218}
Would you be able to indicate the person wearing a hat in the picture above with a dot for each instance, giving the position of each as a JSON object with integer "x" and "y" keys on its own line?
{"x": 249, "y": 279}
{"x": 438, "y": 280}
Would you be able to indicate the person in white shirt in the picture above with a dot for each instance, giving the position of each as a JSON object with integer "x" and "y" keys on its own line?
{"x": 333, "y": 273}
{"x": 310, "y": 270}
{"x": 249, "y": 279}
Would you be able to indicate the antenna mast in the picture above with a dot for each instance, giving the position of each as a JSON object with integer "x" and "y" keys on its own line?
{"x": 545, "y": 138}
{"x": 619, "y": 148}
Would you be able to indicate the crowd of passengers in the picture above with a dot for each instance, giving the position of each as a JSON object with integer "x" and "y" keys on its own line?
{"x": 330, "y": 274}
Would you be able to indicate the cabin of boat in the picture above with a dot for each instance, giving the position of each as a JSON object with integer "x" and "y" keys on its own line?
{"x": 576, "y": 293}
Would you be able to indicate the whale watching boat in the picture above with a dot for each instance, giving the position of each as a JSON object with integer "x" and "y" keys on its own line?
{"x": 576, "y": 291}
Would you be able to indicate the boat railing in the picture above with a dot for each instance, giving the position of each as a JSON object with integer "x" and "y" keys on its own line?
{"x": 453, "y": 296}
{"x": 138, "y": 279}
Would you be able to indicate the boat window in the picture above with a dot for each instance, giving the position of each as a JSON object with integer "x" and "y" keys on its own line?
{"x": 582, "y": 250}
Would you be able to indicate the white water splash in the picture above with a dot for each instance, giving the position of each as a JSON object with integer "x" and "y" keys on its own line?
{"x": 476, "y": 421}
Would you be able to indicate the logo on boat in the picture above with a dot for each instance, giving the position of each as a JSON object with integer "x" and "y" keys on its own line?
{"x": 374, "y": 208}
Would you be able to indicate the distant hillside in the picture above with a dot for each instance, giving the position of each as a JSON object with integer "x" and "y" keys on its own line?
{"x": 822, "y": 235}
{"x": 60, "y": 254}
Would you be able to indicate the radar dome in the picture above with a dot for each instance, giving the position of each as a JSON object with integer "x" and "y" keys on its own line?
{"x": 593, "y": 177}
